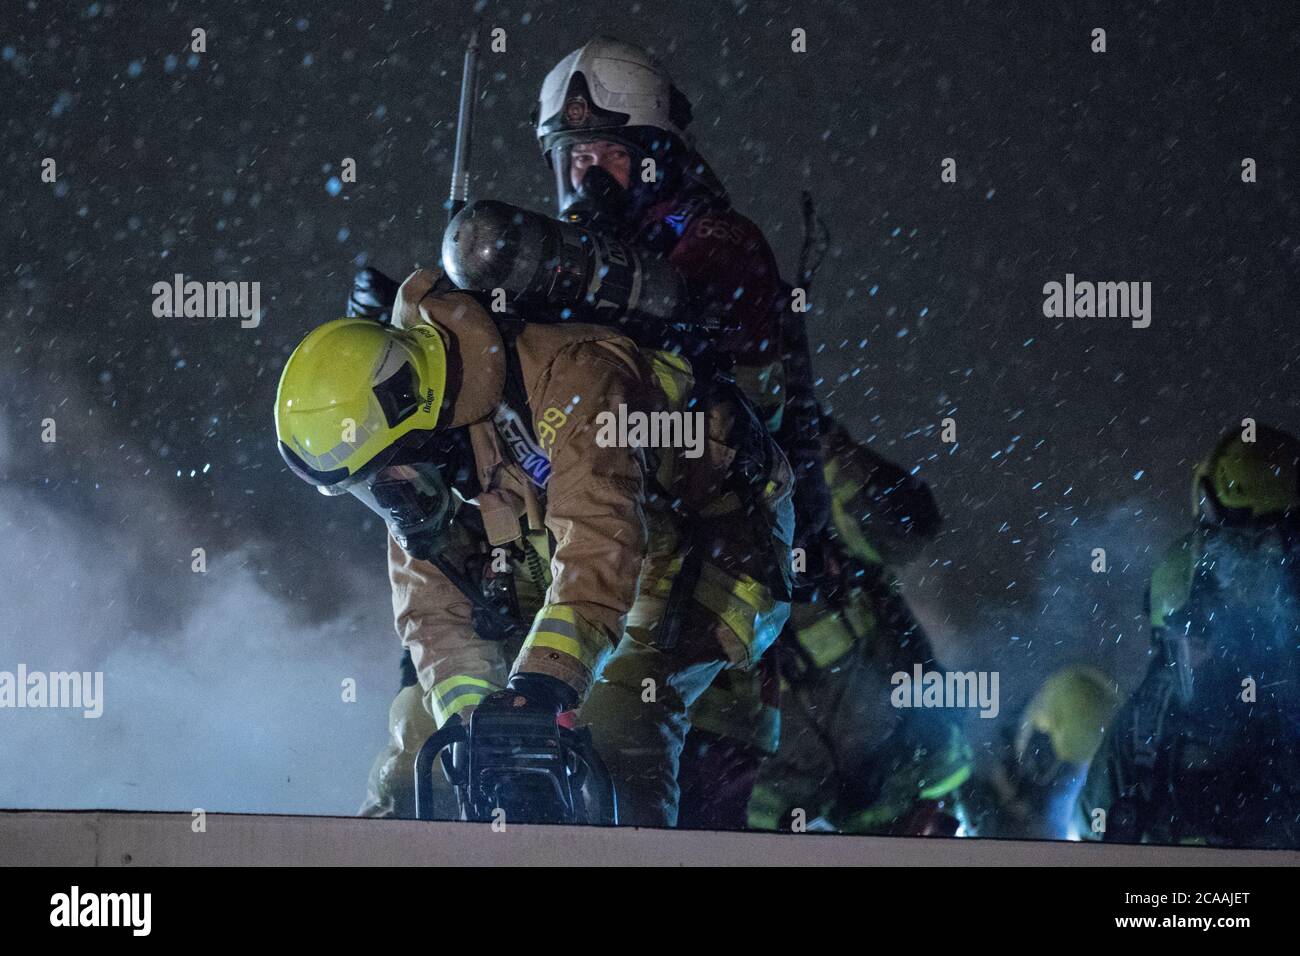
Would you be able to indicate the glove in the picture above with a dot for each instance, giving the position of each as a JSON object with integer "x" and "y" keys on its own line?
{"x": 538, "y": 690}
{"x": 373, "y": 295}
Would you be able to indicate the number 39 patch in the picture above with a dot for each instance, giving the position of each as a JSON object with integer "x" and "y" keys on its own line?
{"x": 548, "y": 427}
{"x": 533, "y": 456}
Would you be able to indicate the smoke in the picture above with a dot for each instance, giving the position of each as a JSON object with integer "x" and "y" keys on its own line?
{"x": 1068, "y": 614}
{"x": 1055, "y": 607}
{"x": 218, "y": 694}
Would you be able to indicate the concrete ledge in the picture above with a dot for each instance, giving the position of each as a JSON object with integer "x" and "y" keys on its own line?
{"x": 107, "y": 838}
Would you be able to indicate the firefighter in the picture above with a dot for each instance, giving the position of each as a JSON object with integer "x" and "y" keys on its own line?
{"x": 1027, "y": 789}
{"x": 647, "y": 238}
{"x": 1204, "y": 752}
{"x": 667, "y": 260}
{"x": 475, "y": 443}
{"x": 838, "y": 755}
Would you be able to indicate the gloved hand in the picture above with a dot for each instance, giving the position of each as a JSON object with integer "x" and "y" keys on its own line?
{"x": 373, "y": 295}
{"x": 536, "y": 690}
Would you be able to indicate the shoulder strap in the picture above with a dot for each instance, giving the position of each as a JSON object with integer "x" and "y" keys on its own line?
{"x": 516, "y": 395}
{"x": 515, "y": 392}
{"x": 513, "y": 418}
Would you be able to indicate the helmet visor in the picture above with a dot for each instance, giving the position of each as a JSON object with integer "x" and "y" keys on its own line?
{"x": 414, "y": 502}
{"x": 561, "y": 157}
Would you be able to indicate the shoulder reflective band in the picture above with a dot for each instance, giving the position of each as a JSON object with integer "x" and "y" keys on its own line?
{"x": 673, "y": 372}
{"x": 764, "y": 385}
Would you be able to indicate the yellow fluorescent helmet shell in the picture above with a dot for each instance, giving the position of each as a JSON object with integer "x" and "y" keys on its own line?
{"x": 1262, "y": 476}
{"x": 1073, "y": 708}
{"x": 326, "y": 410}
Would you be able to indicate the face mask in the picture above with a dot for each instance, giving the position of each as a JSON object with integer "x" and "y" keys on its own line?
{"x": 599, "y": 201}
{"x": 415, "y": 504}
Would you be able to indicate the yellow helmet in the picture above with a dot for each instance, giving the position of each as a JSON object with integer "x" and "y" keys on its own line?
{"x": 1249, "y": 482}
{"x": 1072, "y": 709}
{"x": 349, "y": 394}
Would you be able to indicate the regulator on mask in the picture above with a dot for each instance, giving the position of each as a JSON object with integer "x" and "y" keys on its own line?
{"x": 599, "y": 203}
{"x": 412, "y": 493}
{"x": 598, "y": 200}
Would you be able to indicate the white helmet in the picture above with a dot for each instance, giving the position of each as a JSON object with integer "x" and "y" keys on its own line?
{"x": 609, "y": 89}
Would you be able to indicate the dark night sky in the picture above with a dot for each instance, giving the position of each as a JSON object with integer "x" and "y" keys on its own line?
{"x": 1073, "y": 433}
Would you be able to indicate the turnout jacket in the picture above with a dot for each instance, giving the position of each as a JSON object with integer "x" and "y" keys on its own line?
{"x": 549, "y": 490}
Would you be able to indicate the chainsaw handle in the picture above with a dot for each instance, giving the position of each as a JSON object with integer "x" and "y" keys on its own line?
{"x": 591, "y": 778}
{"x": 452, "y": 732}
